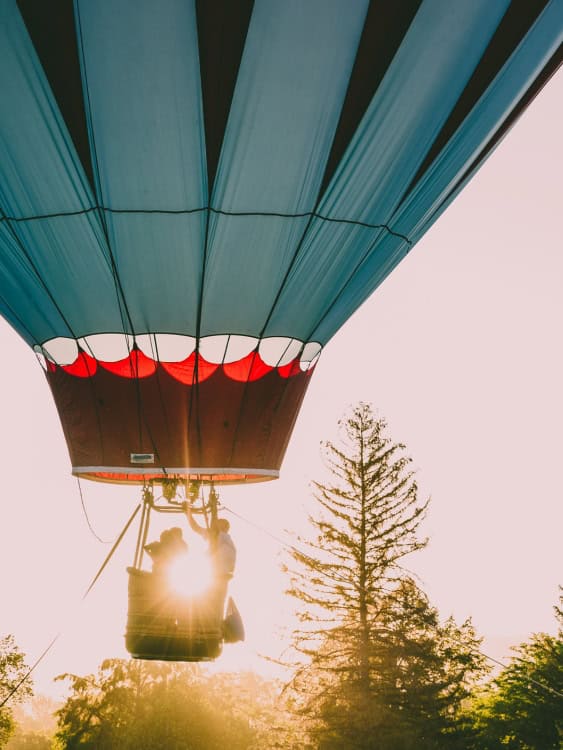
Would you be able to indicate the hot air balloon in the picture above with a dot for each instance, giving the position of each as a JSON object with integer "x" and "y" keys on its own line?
{"x": 195, "y": 196}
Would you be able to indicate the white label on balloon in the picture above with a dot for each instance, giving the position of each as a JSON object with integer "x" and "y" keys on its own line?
{"x": 142, "y": 458}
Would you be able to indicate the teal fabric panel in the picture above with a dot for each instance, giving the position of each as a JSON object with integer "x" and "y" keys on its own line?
{"x": 259, "y": 262}
{"x": 24, "y": 302}
{"x": 435, "y": 191}
{"x": 40, "y": 171}
{"x": 425, "y": 79}
{"x": 74, "y": 289}
{"x": 518, "y": 73}
{"x": 159, "y": 259}
{"x": 140, "y": 68}
{"x": 370, "y": 271}
{"x": 50, "y": 259}
{"x": 290, "y": 90}
{"x": 247, "y": 259}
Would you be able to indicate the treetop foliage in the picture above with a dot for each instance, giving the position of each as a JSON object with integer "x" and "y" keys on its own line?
{"x": 139, "y": 705}
{"x": 522, "y": 708}
{"x": 12, "y": 671}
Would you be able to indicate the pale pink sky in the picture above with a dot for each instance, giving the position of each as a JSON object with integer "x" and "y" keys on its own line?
{"x": 460, "y": 349}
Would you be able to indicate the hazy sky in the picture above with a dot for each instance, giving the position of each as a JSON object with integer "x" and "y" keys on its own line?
{"x": 460, "y": 350}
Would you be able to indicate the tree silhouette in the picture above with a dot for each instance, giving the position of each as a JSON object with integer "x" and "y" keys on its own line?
{"x": 522, "y": 708}
{"x": 12, "y": 671}
{"x": 376, "y": 667}
{"x": 137, "y": 705}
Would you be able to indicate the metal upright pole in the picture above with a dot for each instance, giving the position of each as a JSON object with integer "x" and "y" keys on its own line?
{"x": 143, "y": 526}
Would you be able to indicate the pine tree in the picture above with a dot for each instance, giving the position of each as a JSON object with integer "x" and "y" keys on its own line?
{"x": 376, "y": 668}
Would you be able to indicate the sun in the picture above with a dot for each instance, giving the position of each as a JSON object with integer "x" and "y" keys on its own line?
{"x": 191, "y": 574}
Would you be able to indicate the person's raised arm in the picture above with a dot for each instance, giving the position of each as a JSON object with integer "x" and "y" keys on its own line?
{"x": 194, "y": 525}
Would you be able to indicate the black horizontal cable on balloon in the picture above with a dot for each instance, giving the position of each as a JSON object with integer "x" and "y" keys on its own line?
{"x": 311, "y": 215}
{"x": 220, "y": 212}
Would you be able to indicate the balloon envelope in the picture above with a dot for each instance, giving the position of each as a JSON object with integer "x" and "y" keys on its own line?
{"x": 195, "y": 197}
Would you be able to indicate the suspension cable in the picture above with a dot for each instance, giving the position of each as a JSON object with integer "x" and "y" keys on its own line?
{"x": 102, "y": 541}
{"x": 292, "y": 548}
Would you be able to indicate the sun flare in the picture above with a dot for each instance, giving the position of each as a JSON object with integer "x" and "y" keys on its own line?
{"x": 190, "y": 574}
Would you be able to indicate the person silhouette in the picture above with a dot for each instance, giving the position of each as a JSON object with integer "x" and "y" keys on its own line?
{"x": 222, "y": 551}
{"x": 166, "y": 550}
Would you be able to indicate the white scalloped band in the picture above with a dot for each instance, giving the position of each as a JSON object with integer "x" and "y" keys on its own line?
{"x": 171, "y": 349}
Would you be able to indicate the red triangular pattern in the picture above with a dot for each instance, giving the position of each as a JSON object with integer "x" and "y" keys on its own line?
{"x": 251, "y": 367}
{"x": 185, "y": 371}
{"x": 83, "y": 366}
{"x": 136, "y": 365}
{"x": 293, "y": 368}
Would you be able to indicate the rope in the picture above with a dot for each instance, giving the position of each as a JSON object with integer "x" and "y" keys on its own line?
{"x": 292, "y": 548}
{"x": 30, "y": 670}
{"x": 103, "y": 541}
{"x": 58, "y": 635}
{"x": 112, "y": 550}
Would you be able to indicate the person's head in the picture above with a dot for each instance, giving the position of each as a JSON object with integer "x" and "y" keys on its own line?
{"x": 154, "y": 549}
{"x": 221, "y": 525}
{"x": 165, "y": 536}
{"x": 172, "y": 541}
{"x": 176, "y": 540}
